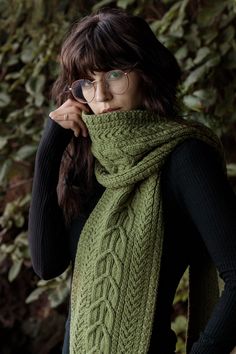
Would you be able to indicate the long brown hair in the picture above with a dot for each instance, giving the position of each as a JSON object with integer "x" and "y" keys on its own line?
{"x": 108, "y": 39}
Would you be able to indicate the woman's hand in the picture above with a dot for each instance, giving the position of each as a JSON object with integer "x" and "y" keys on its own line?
{"x": 68, "y": 115}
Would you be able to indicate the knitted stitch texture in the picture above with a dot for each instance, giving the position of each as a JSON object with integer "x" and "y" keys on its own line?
{"x": 118, "y": 260}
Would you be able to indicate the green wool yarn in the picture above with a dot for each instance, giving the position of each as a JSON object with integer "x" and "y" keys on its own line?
{"x": 115, "y": 279}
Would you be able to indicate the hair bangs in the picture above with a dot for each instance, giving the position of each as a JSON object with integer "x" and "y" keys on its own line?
{"x": 100, "y": 51}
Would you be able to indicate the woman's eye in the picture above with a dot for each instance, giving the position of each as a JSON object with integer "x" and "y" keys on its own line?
{"x": 115, "y": 74}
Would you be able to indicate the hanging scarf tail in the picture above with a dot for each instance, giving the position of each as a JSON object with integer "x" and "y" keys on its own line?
{"x": 116, "y": 275}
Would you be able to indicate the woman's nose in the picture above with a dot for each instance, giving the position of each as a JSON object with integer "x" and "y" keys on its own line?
{"x": 102, "y": 92}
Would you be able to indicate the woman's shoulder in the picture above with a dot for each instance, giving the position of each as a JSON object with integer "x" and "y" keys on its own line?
{"x": 193, "y": 150}
{"x": 193, "y": 158}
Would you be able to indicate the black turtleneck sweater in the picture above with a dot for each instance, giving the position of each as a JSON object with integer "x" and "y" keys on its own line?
{"x": 200, "y": 215}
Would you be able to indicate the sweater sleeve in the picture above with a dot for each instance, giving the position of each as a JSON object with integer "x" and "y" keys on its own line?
{"x": 202, "y": 189}
{"x": 48, "y": 239}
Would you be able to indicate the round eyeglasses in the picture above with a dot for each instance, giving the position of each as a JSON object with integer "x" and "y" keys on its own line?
{"x": 116, "y": 81}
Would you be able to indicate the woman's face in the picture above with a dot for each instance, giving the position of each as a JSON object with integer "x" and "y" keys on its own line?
{"x": 113, "y": 94}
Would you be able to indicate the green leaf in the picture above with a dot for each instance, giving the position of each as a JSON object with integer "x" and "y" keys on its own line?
{"x": 39, "y": 99}
{"x": 177, "y": 26}
{"x": 12, "y": 60}
{"x": 57, "y": 296}
{"x": 202, "y": 53}
{"x": 193, "y": 103}
{"x": 161, "y": 26}
{"x": 2, "y": 256}
{"x": 45, "y": 283}
{"x": 25, "y": 152}
{"x": 19, "y": 220}
{"x": 228, "y": 34}
{"x": 3, "y": 141}
{"x": 179, "y": 325}
{"x": 21, "y": 239}
{"x": 224, "y": 47}
{"x": 210, "y": 35}
{"x": 210, "y": 12}
{"x": 231, "y": 169}
{"x": 35, "y": 295}
{"x": 35, "y": 85}
{"x": 208, "y": 96}
{"x": 4, "y": 170}
{"x": 24, "y": 201}
{"x": 181, "y": 53}
{"x": 7, "y": 249}
{"x": 12, "y": 76}
{"x": 213, "y": 61}
{"x": 15, "y": 269}
{"x": 5, "y": 99}
{"x": 195, "y": 75}
{"x": 125, "y": 3}
{"x": 27, "y": 55}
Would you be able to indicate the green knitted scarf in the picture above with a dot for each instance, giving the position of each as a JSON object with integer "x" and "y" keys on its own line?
{"x": 116, "y": 274}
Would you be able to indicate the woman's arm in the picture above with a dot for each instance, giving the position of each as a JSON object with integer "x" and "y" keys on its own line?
{"x": 207, "y": 197}
{"x": 48, "y": 240}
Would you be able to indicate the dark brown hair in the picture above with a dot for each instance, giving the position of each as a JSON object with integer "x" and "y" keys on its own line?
{"x": 108, "y": 39}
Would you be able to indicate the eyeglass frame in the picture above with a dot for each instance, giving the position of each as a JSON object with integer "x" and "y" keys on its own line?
{"x": 86, "y": 102}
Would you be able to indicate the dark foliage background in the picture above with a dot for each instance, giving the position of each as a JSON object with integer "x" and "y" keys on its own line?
{"x": 201, "y": 33}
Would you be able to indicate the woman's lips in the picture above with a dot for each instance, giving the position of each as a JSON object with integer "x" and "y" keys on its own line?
{"x": 110, "y": 110}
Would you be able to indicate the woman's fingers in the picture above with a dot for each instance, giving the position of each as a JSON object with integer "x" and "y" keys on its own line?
{"x": 70, "y": 102}
{"x": 72, "y": 121}
{"x": 68, "y": 115}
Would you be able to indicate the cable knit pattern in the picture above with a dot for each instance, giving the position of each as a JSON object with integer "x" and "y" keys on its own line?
{"x": 115, "y": 280}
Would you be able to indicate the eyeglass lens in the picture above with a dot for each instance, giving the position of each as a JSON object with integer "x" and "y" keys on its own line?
{"x": 116, "y": 81}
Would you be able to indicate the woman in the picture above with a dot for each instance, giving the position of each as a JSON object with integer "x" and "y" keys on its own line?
{"x": 142, "y": 192}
